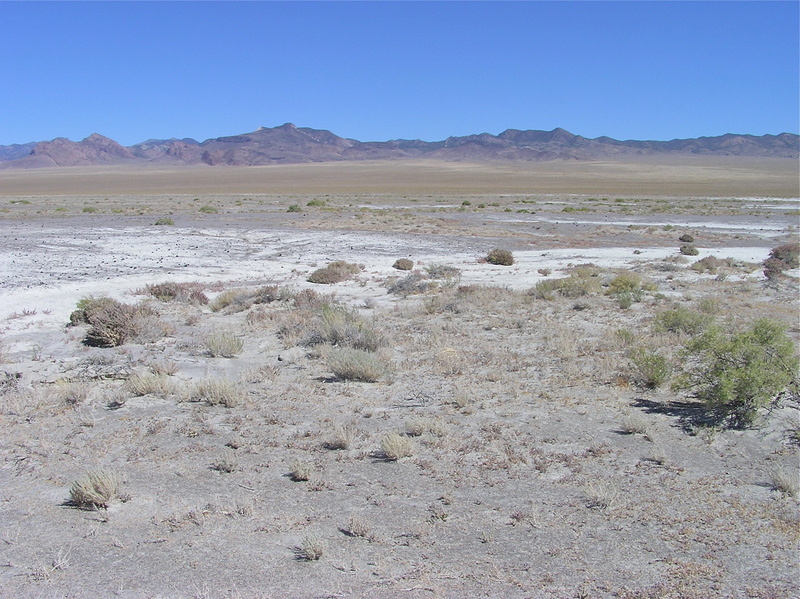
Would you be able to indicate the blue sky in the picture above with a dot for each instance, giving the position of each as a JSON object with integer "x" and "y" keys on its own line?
{"x": 387, "y": 70}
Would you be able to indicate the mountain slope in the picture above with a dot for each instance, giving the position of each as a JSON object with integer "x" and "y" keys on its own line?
{"x": 288, "y": 144}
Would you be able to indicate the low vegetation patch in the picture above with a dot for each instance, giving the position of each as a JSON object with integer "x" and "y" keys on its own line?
{"x": 95, "y": 489}
{"x": 500, "y": 257}
{"x": 403, "y": 264}
{"x": 351, "y": 364}
{"x": 335, "y": 272}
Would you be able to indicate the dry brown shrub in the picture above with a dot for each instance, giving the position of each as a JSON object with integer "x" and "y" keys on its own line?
{"x": 95, "y": 489}
{"x": 403, "y": 264}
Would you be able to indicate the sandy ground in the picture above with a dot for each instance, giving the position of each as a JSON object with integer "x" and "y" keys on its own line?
{"x": 528, "y": 477}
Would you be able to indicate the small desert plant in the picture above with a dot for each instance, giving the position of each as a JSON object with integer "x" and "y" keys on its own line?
{"x": 335, "y": 272}
{"x": 217, "y": 391}
{"x": 682, "y": 320}
{"x": 738, "y": 372}
{"x": 686, "y": 238}
{"x": 95, "y": 489}
{"x": 599, "y": 495}
{"x": 785, "y": 481}
{"x": 294, "y": 208}
{"x": 650, "y": 369}
{"x": 301, "y": 471}
{"x": 411, "y": 284}
{"x": 312, "y": 548}
{"x": 356, "y": 526}
{"x": 208, "y": 210}
{"x": 89, "y": 209}
{"x": 443, "y": 271}
{"x": 72, "y": 393}
{"x": 146, "y": 383}
{"x": 689, "y": 250}
{"x": 403, "y": 264}
{"x": 500, "y": 257}
{"x": 113, "y": 323}
{"x": 357, "y": 365}
{"x": 232, "y": 300}
{"x": 396, "y": 447}
{"x": 343, "y": 327}
{"x": 164, "y": 221}
{"x": 316, "y": 203}
{"x": 183, "y": 292}
{"x": 634, "y": 423}
{"x": 223, "y": 344}
{"x": 341, "y": 437}
{"x": 226, "y": 461}
{"x": 788, "y": 253}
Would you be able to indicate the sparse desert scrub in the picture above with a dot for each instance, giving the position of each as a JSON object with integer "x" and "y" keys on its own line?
{"x": 500, "y": 257}
{"x": 146, "y": 383}
{"x": 599, "y": 495}
{"x": 786, "y": 481}
{"x": 737, "y": 372}
{"x": 343, "y": 327}
{"x": 226, "y": 462}
{"x": 682, "y": 320}
{"x": 181, "y": 292}
{"x": 634, "y": 423}
{"x": 72, "y": 393}
{"x": 449, "y": 274}
{"x": 689, "y": 250}
{"x": 335, "y": 272}
{"x": 412, "y": 284}
{"x": 217, "y": 391}
{"x": 351, "y": 364}
{"x": 164, "y": 221}
{"x": 223, "y": 344}
{"x": 312, "y": 548}
{"x": 424, "y": 425}
{"x": 113, "y": 323}
{"x": 95, "y": 489}
{"x": 341, "y": 437}
{"x": 403, "y": 264}
{"x": 357, "y": 527}
{"x": 788, "y": 253}
{"x": 396, "y": 447}
{"x": 301, "y": 471}
{"x": 686, "y": 238}
{"x": 577, "y": 284}
{"x": 232, "y": 300}
{"x": 650, "y": 369}
{"x": 208, "y": 209}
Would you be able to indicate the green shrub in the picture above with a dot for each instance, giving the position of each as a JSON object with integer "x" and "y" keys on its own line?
{"x": 403, "y": 264}
{"x": 682, "y": 320}
{"x": 500, "y": 257}
{"x": 689, "y": 250}
{"x": 294, "y": 208}
{"x": 208, "y": 210}
{"x": 650, "y": 369}
{"x": 735, "y": 373}
{"x": 356, "y": 365}
{"x": 89, "y": 209}
{"x": 686, "y": 238}
{"x": 165, "y": 221}
{"x": 316, "y": 203}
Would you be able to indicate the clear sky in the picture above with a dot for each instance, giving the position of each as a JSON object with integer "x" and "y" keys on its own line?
{"x": 387, "y": 70}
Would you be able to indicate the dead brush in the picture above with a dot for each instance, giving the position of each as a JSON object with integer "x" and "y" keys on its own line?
{"x": 146, "y": 383}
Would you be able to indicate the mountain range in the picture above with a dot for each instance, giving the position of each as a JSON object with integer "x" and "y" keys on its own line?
{"x": 289, "y": 144}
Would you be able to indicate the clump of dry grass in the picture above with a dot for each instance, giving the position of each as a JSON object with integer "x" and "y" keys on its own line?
{"x": 423, "y": 425}
{"x": 312, "y": 548}
{"x": 146, "y": 383}
{"x": 218, "y": 391}
{"x": 395, "y": 447}
{"x": 95, "y": 489}
{"x": 341, "y": 437}
{"x": 191, "y": 293}
{"x": 634, "y": 423}
{"x": 351, "y": 364}
{"x": 72, "y": 393}
{"x": 357, "y": 527}
{"x": 599, "y": 495}
{"x": 785, "y": 481}
{"x": 224, "y": 344}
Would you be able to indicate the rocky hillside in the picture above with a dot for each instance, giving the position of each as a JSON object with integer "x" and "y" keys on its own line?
{"x": 288, "y": 144}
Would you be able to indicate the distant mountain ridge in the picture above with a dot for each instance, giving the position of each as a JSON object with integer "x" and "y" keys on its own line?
{"x": 288, "y": 144}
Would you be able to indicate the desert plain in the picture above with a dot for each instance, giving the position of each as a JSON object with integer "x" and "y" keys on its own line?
{"x": 505, "y": 442}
